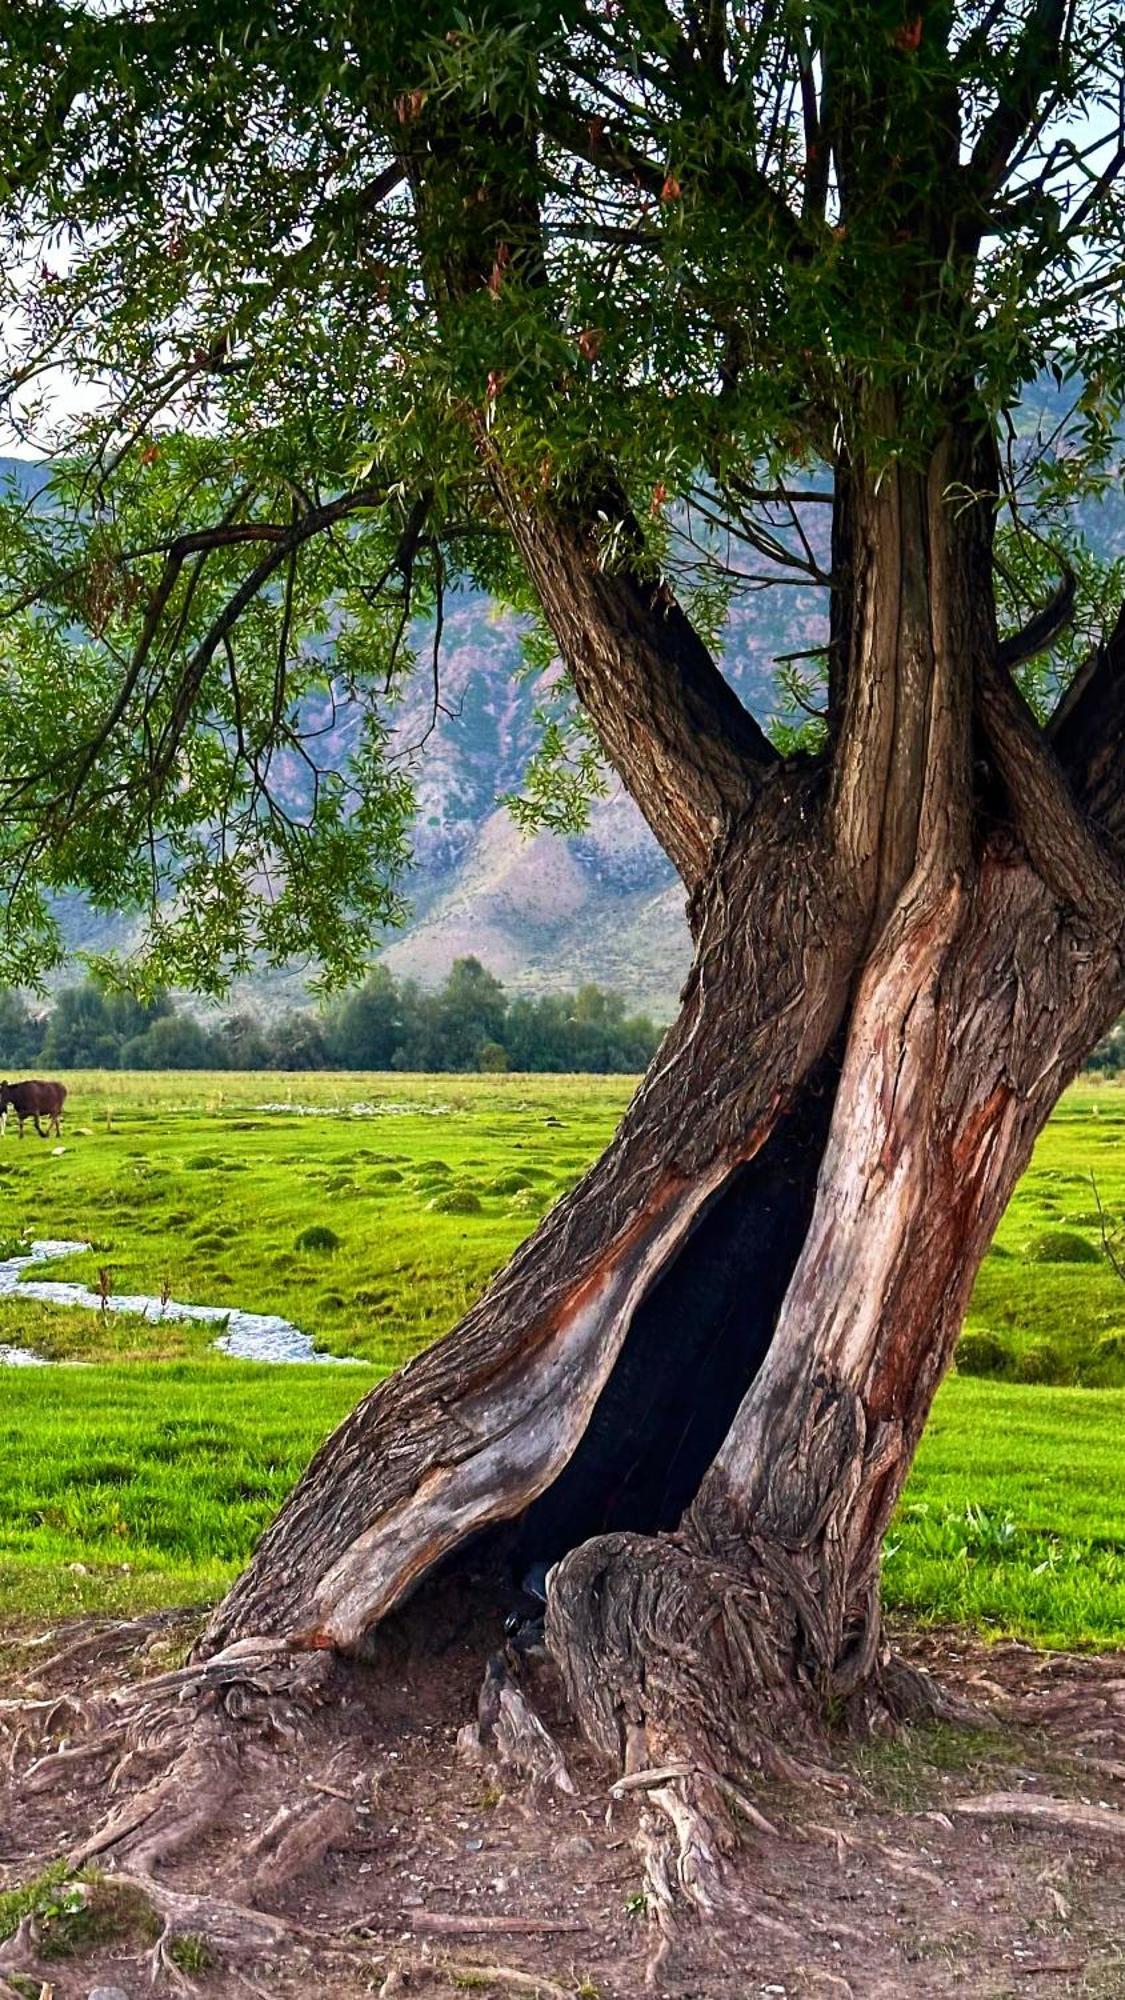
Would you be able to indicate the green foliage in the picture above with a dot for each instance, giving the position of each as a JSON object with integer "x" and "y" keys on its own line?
{"x": 315, "y": 273}
{"x": 191, "y": 1953}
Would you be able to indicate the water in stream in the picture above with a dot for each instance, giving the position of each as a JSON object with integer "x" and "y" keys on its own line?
{"x": 246, "y": 1336}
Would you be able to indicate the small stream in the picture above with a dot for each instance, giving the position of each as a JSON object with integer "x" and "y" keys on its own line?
{"x": 246, "y": 1336}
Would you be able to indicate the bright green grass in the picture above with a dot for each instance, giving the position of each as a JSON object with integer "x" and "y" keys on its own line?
{"x": 155, "y": 1468}
{"x": 181, "y": 1181}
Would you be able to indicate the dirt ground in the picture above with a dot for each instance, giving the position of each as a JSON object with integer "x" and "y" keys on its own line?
{"x": 980, "y": 1862}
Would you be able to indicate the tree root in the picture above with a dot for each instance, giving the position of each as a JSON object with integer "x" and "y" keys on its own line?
{"x": 509, "y": 1732}
{"x": 1102, "y": 1824}
{"x": 296, "y": 1839}
{"x": 467, "y": 1972}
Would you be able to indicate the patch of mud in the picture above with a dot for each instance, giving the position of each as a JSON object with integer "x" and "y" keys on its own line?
{"x": 441, "y": 1878}
{"x": 246, "y": 1336}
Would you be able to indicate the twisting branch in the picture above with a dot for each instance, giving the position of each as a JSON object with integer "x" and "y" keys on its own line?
{"x": 1034, "y": 64}
{"x": 1041, "y": 631}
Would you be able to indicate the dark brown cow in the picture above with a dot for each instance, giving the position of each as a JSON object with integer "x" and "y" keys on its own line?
{"x": 34, "y": 1099}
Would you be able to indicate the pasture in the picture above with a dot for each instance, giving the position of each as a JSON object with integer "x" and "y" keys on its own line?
{"x": 369, "y": 1211}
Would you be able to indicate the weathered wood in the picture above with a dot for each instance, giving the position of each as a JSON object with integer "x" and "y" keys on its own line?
{"x": 471, "y": 1431}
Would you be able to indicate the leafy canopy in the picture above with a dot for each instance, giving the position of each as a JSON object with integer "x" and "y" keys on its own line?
{"x": 306, "y": 272}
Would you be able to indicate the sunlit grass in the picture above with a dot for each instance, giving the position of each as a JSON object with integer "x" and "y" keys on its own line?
{"x": 143, "y": 1479}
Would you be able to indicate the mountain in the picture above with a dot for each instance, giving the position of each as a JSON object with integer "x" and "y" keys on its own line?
{"x": 543, "y": 913}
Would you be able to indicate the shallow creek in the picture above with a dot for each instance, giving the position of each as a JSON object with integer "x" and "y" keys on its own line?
{"x": 246, "y": 1336}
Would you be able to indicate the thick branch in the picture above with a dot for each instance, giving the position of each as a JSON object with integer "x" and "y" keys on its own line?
{"x": 1041, "y": 631}
{"x": 1063, "y": 846}
{"x": 671, "y": 725}
{"x": 1087, "y": 732}
{"x": 1034, "y": 66}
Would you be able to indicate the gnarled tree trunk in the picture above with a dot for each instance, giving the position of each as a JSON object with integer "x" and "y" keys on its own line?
{"x": 695, "y": 1393}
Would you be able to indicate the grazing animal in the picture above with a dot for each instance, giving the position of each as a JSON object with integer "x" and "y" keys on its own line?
{"x": 34, "y": 1099}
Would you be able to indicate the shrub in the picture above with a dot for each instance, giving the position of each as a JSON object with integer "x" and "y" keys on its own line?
{"x": 1061, "y": 1246}
{"x": 317, "y": 1236}
{"x": 1111, "y": 1346}
{"x": 1041, "y": 1362}
{"x": 982, "y": 1354}
{"x": 457, "y": 1201}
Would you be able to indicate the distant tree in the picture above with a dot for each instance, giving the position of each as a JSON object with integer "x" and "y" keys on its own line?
{"x": 21, "y": 1031}
{"x": 80, "y": 1033}
{"x": 174, "y": 1041}
{"x": 363, "y": 1031}
{"x": 244, "y": 1042}
{"x": 296, "y": 1041}
{"x": 470, "y": 1012}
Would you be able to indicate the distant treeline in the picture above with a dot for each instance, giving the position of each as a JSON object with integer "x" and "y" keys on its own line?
{"x": 470, "y": 1023}
{"x": 1109, "y": 1056}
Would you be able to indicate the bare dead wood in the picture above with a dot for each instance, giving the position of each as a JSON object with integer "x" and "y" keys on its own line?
{"x": 454, "y": 1923}
{"x": 1102, "y": 1824}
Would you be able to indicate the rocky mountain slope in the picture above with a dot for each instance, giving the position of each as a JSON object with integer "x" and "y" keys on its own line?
{"x": 542, "y": 912}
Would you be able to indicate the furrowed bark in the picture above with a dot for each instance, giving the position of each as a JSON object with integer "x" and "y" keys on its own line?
{"x": 716, "y": 1645}
{"x": 1088, "y": 735}
{"x": 474, "y": 1429}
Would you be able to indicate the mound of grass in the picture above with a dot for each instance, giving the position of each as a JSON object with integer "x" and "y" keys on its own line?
{"x": 76, "y": 1914}
{"x": 981, "y": 1353}
{"x": 318, "y": 1237}
{"x": 457, "y": 1201}
{"x": 512, "y": 1183}
{"x": 1042, "y": 1362}
{"x": 1061, "y": 1246}
{"x": 388, "y": 1177}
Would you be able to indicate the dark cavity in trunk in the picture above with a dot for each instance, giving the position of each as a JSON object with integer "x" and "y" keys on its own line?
{"x": 694, "y": 1346}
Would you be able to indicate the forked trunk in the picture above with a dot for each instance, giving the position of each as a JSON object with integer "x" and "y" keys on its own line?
{"x": 695, "y": 1393}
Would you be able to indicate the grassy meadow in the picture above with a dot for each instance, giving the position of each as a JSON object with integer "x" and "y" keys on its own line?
{"x": 370, "y": 1211}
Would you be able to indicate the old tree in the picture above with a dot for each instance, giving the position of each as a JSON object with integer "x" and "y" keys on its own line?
{"x": 630, "y": 314}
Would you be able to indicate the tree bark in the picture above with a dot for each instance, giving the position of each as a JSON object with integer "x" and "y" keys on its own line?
{"x": 695, "y": 1393}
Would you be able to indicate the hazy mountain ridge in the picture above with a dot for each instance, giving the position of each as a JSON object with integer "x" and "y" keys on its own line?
{"x": 543, "y": 913}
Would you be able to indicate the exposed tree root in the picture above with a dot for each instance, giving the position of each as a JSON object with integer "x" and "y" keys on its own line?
{"x": 296, "y": 1839}
{"x": 508, "y": 1731}
{"x": 414, "y": 1972}
{"x": 1099, "y": 1823}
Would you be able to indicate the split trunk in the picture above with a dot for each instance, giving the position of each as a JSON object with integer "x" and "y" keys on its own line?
{"x": 694, "y": 1394}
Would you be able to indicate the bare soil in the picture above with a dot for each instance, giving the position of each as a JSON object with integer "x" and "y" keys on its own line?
{"x": 978, "y": 1862}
